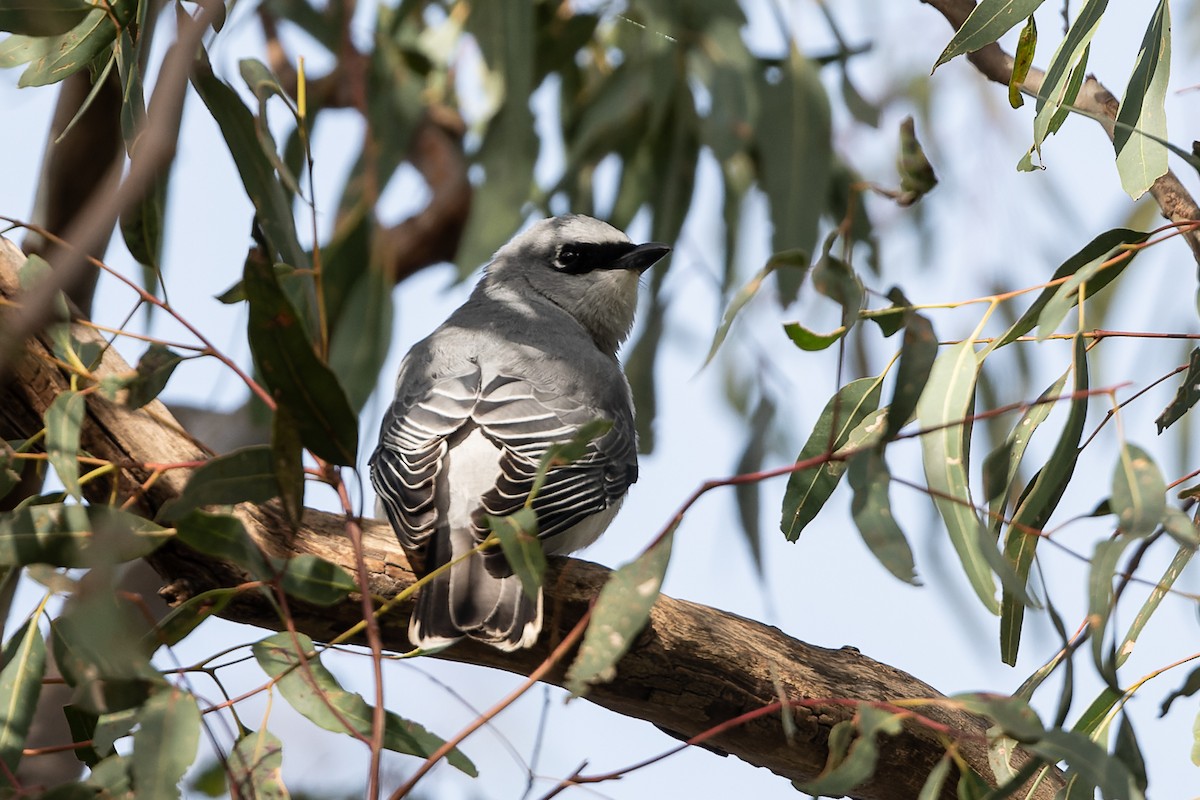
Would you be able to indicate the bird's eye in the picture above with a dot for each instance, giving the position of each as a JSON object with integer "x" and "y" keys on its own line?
{"x": 567, "y": 255}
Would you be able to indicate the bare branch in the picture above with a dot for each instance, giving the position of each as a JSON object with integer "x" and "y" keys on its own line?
{"x": 995, "y": 64}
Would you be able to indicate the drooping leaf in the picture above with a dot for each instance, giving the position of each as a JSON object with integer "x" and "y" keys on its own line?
{"x": 811, "y": 341}
{"x": 1129, "y": 752}
{"x": 265, "y": 85}
{"x": 186, "y": 617}
{"x": 807, "y": 490}
{"x": 42, "y": 17}
{"x": 917, "y": 177}
{"x": 1001, "y": 465}
{"x": 24, "y": 663}
{"x": 935, "y": 780}
{"x": 316, "y": 694}
{"x": 271, "y": 205}
{"x": 75, "y": 536}
{"x": 165, "y": 744}
{"x": 943, "y": 409}
{"x": 833, "y": 277}
{"x": 987, "y": 22}
{"x": 1100, "y": 249}
{"x": 1022, "y": 61}
{"x": 872, "y": 511}
{"x": 154, "y": 369}
{"x": 1185, "y": 396}
{"x": 918, "y": 351}
{"x": 246, "y": 475}
{"x": 55, "y": 58}
{"x": 287, "y": 461}
{"x": 1058, "y": 90}
{"x": 1181, "y": 528}
{"x": 64, "y": 421}
{"x": 1040, "y": 501}
{"x": 1091, "y": 763}
{"x": 1101, "y": 602}
{"x": 315, "y": 580}
{"x": 255, "y": 767}
{"x": 1191, "y": 685}
{"x": 858, "y": 763}
{"x": 1138, "y": 492}
{"x": 522, "y": 549}
{"x": 749, "y": 506}
{"x": 297, "y": 378}
{"x": 620, "y": 613}
{"x": 1012, "y": 714}
{"x": 1141, "y": 119}
{"x": 360, "y": 340}
{"x": 793, "y": 139}
{"x": 745, "y": 294}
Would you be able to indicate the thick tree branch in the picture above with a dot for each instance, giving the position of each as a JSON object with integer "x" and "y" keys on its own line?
{"x": 994, "y": 63}
{"x": 692, "y": 669}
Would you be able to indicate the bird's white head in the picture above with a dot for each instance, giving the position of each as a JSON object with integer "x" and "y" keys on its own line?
{"x": 581, "y": 264}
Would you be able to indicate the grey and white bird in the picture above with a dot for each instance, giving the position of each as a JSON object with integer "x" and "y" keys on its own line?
{"x": 527, "y": 361}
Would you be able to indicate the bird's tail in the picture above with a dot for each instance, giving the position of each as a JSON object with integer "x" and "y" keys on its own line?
{"x": 469, "y": 601}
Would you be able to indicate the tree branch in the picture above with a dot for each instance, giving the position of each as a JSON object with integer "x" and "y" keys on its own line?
{"x": 1175, "y": 202}
{"x": 692, "y": 669}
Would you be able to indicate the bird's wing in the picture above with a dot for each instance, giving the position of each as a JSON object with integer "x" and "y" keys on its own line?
{"x": 525, "y": 419}
{"x": 408, "y": 466}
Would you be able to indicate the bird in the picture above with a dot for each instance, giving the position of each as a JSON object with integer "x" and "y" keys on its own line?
{"x": 523, "y": 365}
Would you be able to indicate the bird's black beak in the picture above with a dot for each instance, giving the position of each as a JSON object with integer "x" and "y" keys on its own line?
{"x": 642, "y": 257}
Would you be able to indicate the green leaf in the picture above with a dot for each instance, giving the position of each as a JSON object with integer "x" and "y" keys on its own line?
{"x": 743, "y": 296}
{"x": 1022, "y": 61}
{"x": 1101, "y": 601}
{"x": 842, "y": 776}
{"x": 165, "y": 744}
{"x": 361, "y": 338}
{"x": 297, "y": 378}
{"x": 154, "y": 369}
{"x": 989, "y": 20}
{"x": 24, "y": 660}
{"x": 807, "y": 490}
{"x": 620, "y": 613}
{"x": 246, "y": 475}
{"x": 58, "y": 57}
{"x": 793, "y": 140}
{"x": 1087, "y": 760}
{"x": 1185, "y": 396}
{"x": 265, "y": 85}
{"x": 1142, "y": 118}
{"x": 1040, "y": 501}
{"x": 271, "y": 204}
{"x": 932, "y": 788}
{"x": 1180, "y": 528}
{"x": 316, "y": 694}
{"x": 186, "y": 617}
{"x": 943, "y": 408}
{"x": 75, "y": 536}
{"x": 1012, "y": 714}
{"x": 1139, "y": 493}
{"x": 1001, "y": 465}
{"x": 255, "y": 767}
{"x": 287, "y": 461}
{"x": 918, "y": 351}
{"x": 222, "y": 536}
{"x": 1130, "y": 753}
{"x": 1100, "y": 249}
{"x": 522, "y": 549}
{"x": 917, "y": 177}
{"x": 1058, "y": 89}
{"x": 1191, "y": 685}
{"x": 42, "y": 17}
{"x": 872, "y": 511}
{"x": 315, "y": 580}
{"x": 811, "y": 341}
{"x": 64, "y": 420}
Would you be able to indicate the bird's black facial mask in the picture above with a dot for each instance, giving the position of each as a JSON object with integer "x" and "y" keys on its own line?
{"x": 578, "y": 258}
